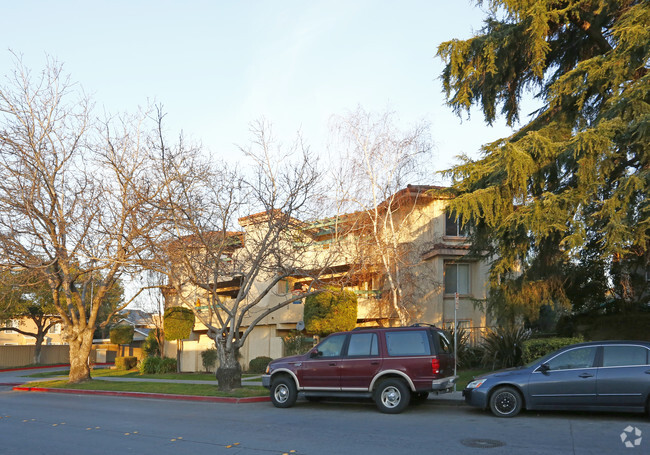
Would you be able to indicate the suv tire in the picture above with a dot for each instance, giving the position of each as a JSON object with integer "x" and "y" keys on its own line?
{"x": 392, "y": 396}
{"x": 283, "y": 392}
{"x": 506, "y": 402}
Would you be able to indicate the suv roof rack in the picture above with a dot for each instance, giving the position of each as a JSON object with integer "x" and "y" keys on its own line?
{"x": 423, "y": 324}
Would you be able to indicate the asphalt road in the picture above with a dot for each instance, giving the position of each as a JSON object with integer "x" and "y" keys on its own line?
{"x": 47, "y": 423}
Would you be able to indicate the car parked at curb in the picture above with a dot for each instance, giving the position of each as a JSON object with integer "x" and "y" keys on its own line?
{"x": 394, "y": 366}
{"x": 594, "y": 376}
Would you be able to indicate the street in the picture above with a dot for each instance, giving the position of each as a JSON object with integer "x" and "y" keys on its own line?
{"x": 52, "y": 423}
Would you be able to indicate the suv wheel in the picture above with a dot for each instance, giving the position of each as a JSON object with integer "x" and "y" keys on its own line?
{"x": 506, "y": 402}
{"x": 392, "y": 396}
{"x": 283, "y": 392}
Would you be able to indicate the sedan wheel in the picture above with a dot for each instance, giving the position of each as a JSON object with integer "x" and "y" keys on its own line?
{"x": 392, "y": 396}
{"x": 506, "y": 402}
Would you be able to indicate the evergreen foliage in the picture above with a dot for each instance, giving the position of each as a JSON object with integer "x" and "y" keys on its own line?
{"x": 178, "y": 323}
{"x": 122, "y": 334}
{"x": 333, "y": 310}
{"x": 562, "y": 204}
{"x": 209, "y": 359}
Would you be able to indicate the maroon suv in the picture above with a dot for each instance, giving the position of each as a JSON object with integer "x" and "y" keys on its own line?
{"x": 394, "y": 366}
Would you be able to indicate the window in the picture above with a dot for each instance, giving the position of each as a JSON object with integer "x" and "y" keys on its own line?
{"x": 620, "y": 356}
{"x": 457, "y": 279}
{"x": 452, "y": 226}
{"x": 573, "y": 359}
{"x": 445, "y": 344}
{"x": 413, "y": 342}
{"x": 55, "y": 329}
{"x": 363, "y": 344}
{"x": 331, "y": 347}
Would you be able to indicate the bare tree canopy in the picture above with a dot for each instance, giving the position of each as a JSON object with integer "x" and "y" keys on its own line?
{"x": 237, "y": 234}
{"x": 78, "y": 196}
{"x": 379, "y": 162}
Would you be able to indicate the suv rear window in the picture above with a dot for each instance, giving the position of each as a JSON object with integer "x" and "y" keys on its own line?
{"x": 412, "y": 342}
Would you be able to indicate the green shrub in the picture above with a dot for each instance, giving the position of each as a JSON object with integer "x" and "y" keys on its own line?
{"x": 157, "y": 365}
{"x": 125, "y": 363}
{"x": 150, "y": 365}
{"x": 258, "y": 364}
{"x": 178, "y": 323}
{"x": 296, "y": 343}
{"x": 472, "y": 357}
{"x": 209, "y": 359}
{"x": 151, "y": 346}
{"x": 167, "y": 365}
{"x": 534, "y": 349}
{"x": 333, "y": 310}
{"x": 121, "y": 334}
{"x": 504, "y": 347}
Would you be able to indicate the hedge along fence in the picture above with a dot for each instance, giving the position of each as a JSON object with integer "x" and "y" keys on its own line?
{"x": 539, "y": 347}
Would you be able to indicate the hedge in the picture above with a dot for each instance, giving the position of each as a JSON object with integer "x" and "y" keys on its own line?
{"x": 258, "y": 365}
{"x": 539, "y": 347}
{"x": 125, "y": 363}
{"x": 157, "y": 365}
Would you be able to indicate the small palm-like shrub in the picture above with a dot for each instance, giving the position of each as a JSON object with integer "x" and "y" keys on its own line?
{"x": 504, "y": 347}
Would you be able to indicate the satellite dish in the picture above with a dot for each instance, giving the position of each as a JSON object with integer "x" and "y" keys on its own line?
{"x": 300, "y": 325}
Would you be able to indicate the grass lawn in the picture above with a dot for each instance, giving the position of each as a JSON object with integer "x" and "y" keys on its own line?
{"x": 104, "y": 372}
{"x": 204, "y": 390}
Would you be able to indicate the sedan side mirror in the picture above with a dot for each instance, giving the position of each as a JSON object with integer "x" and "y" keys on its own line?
{"x": 544, "y": 368}
{"x": 315, "y": 353}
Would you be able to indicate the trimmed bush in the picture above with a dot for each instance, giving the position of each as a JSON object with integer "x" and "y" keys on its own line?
{"x": 534, "y": 349}
{"x": 126, "y": 363}
{"x": 209, "y": 359}
{"x": 333, "y": 310}
{"x": 258, "y": 364}
{"x": 178, "y": 323}
{"x": 157, "y": 365}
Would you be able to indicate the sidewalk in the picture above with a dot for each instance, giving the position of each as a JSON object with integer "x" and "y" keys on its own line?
{"x": 18, "y": 378}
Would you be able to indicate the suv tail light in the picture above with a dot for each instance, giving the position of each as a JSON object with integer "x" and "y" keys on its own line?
{"x": 435, "y": 365}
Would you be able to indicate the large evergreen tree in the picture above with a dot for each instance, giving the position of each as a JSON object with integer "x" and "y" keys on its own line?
{"x": 562, "y": 204}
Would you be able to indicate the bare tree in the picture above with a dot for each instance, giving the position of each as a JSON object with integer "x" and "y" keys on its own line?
{"x": 377, "y": 164}
{"x": 78, "y": 198}
{"x": 225, "y": 273}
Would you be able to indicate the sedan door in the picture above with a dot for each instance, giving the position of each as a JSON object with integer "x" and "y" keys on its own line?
{"x": 624, "y": 378}
{"x": 567, "y": 380}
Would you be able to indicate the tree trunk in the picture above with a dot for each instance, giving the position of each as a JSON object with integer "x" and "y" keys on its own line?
{"x": 80, "y": 348}
{"x": 38, "y": 348}
{"x": 229, "y": 370}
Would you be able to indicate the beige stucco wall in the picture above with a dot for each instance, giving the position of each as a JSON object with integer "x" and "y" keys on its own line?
{"x": 15, "y": 338}
{"x": 425, "y": 228}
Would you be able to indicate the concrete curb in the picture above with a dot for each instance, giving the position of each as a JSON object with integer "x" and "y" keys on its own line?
{"x": 159, "y": 396}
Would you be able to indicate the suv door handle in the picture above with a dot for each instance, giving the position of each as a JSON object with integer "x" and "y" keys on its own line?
{"x": 376, "y": 362}
{"x": 333, "y": 364}
{"x": 647, "y": 371}
{"x": 586, "y": 375}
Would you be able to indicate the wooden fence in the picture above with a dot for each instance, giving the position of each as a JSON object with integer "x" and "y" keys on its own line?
{"x": 18, "y": 356}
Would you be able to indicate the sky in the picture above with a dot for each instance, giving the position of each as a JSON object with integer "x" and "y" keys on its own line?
{"x": 216, "y": 65}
